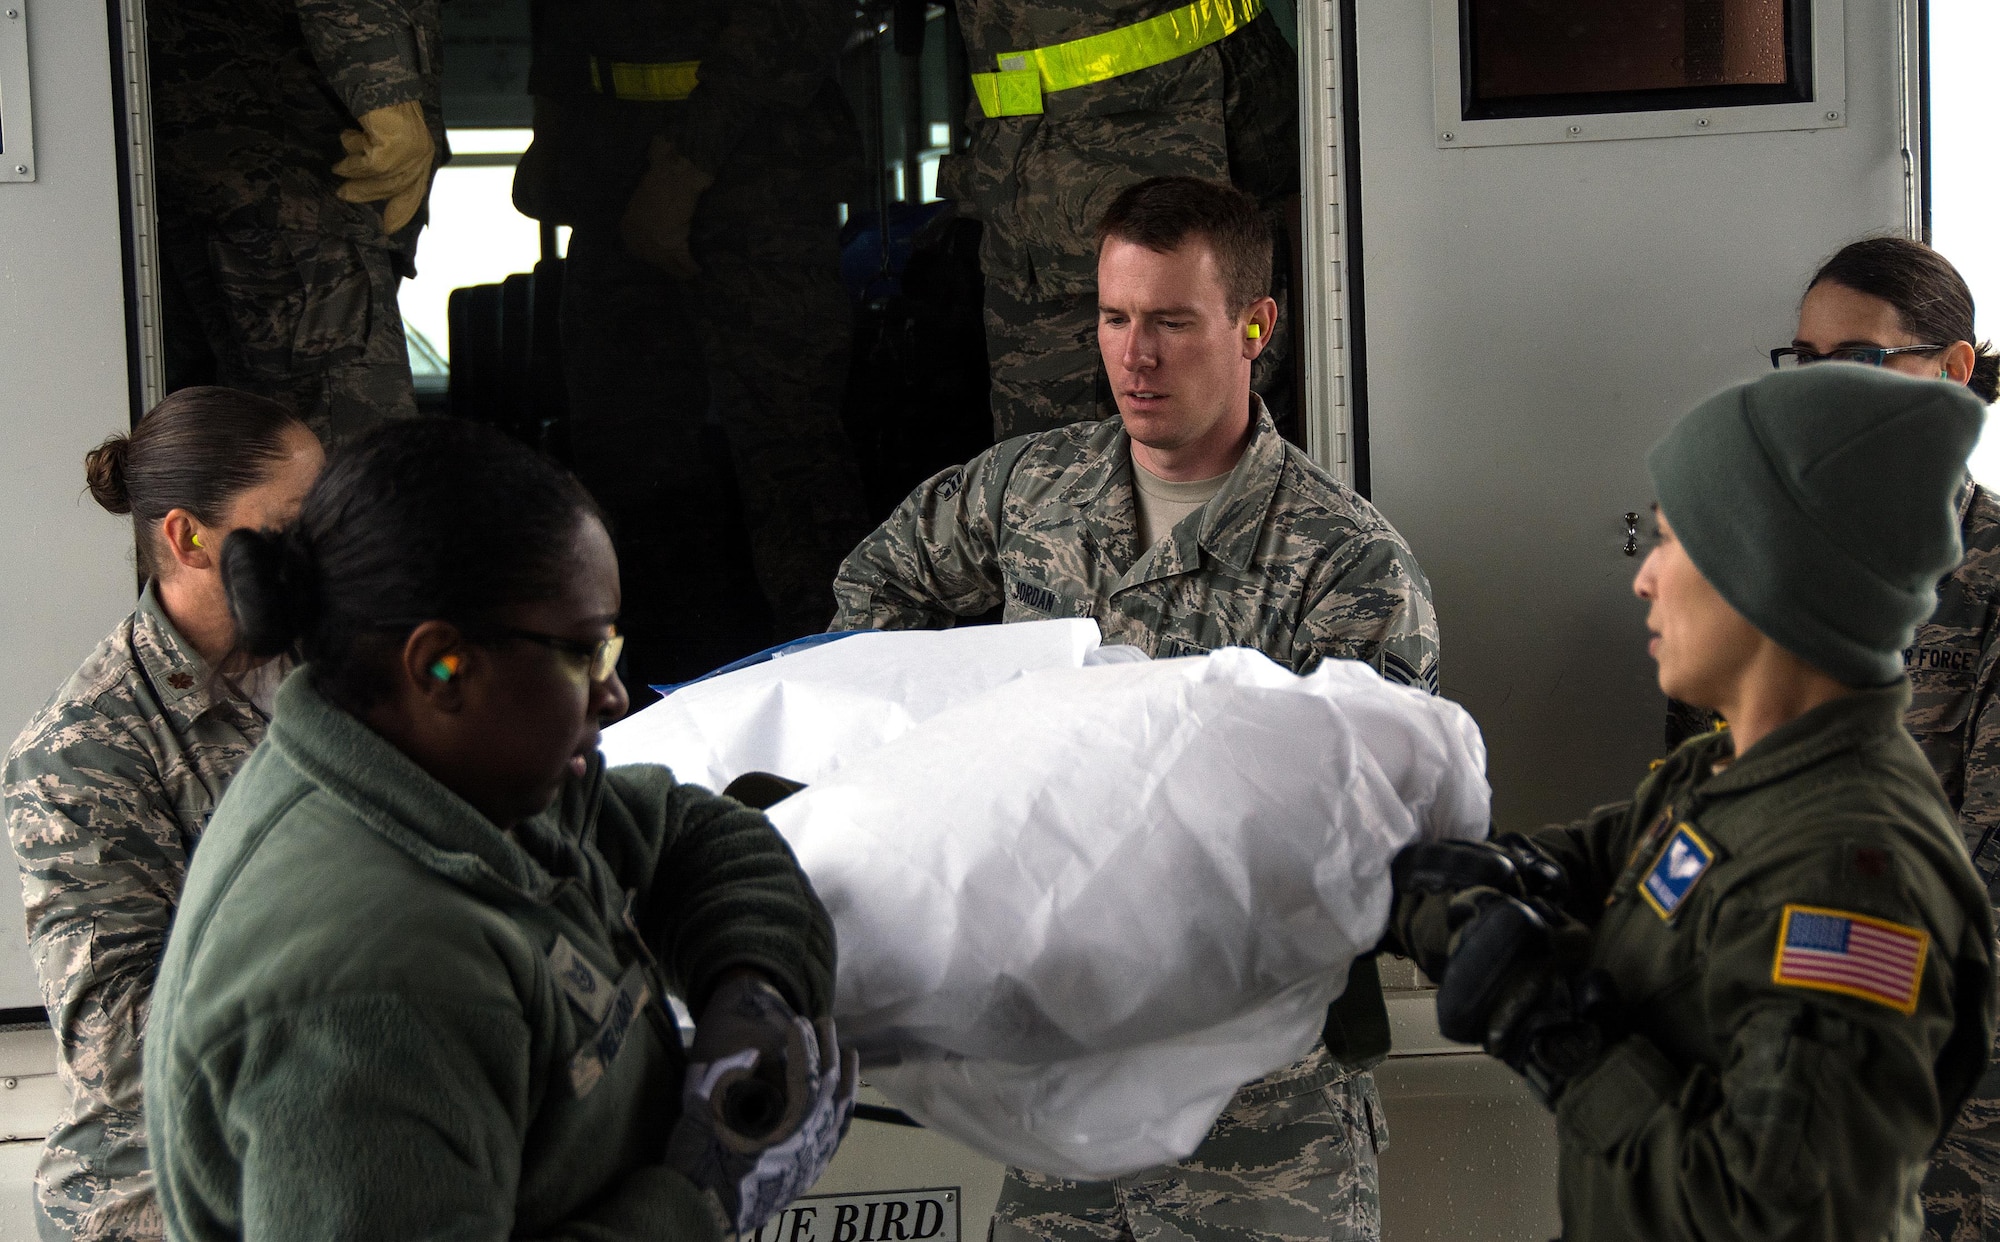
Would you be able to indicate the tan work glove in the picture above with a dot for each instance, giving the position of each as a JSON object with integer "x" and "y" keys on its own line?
{"x": 661, "y": 213}
{"x": 389, "y": 157}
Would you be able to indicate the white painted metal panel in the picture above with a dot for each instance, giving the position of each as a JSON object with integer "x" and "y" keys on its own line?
{"x": 1536, "y": 317}
{"x": 66, "y": 564}
{"x": 17, "y": 96}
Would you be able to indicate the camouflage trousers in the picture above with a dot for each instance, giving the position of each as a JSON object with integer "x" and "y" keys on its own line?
{"x": 301, "y": 318}
{"x": 1287, "y": 1161}
{"x": 1961, "y": 1192}
{"x": 1046, "y": 369}
{"x": 758, "y": 350}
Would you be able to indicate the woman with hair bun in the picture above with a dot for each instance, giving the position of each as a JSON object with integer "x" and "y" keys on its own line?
{"x": 109, "y": 787}
{"x": 1896, "y": 303}
{"x": 416, "y": 986}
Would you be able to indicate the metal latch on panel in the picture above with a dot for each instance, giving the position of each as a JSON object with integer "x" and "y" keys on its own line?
{"x": 17, "y": 112}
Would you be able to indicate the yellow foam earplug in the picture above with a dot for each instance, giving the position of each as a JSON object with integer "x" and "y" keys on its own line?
{"x": 1254, "y": 331}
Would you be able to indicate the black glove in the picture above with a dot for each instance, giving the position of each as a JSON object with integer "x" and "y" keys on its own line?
{"x": 1510, "y": 863}
{"x": 761, "y": 791}
{"x": 1463, "y": 873}
{"x": 1514, "y": 985}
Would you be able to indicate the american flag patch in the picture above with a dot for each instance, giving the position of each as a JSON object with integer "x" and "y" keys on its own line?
{"x": 1835, "y": 951}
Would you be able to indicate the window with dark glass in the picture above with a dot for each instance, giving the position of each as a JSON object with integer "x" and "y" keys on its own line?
{"x": 1559, "y": 57}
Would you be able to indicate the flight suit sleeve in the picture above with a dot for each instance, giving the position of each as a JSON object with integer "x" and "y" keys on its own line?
{"x": 1592, "y": 853}
{"x": 774, "y": 54}
{"x": 936, "y": 558}
{"x": 101, "y": 873}
{"x": 718, "y": 889}
{"x": 1823, "y": 1104}
{"x": 1422, "y": 923}
{"x": 1375, "y": 607}
{"x": 373, "y": 53}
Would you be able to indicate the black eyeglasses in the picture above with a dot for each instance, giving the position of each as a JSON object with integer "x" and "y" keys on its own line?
{"x": 1791, "y": 356}
{"x": 601, "y": 653}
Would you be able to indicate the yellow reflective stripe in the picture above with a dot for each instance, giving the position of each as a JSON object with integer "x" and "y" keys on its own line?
{"x": 649, "y": 83}
{"x": 1101, "y": 57}
{"x": 1011, "y": 92}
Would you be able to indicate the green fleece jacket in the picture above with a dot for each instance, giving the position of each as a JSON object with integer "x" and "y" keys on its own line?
{"x": 380, "y": 1017}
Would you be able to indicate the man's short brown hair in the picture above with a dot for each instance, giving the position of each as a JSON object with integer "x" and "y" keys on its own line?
{"x": 1163, "y": 212}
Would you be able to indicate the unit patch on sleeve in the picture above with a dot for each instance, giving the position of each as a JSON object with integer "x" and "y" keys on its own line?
{"x": 1852, "y": 954}
{"x": 1674, "y": 875}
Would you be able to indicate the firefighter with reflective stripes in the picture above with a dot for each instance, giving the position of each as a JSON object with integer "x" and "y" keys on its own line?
{"x": 1756, "y": 994}
{"x": 1075, "y": 101}
{"x": 699, "y": 151}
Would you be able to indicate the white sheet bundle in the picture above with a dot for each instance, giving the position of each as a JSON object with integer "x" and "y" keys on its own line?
{"x": 1078, "y": 906}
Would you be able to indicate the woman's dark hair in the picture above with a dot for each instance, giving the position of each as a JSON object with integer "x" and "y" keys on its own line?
{"x": 197, "y": 450}
{"x": 424, "y": 519}
{"x": 1929, "y": 295}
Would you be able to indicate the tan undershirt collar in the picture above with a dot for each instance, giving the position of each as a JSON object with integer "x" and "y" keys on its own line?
{"x": 1163, "y": 502}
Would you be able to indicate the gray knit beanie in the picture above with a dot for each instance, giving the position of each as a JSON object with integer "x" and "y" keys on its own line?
{"x": 1819, "y": 502}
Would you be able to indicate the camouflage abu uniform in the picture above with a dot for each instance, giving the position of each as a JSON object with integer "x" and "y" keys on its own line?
{"x": 274, "y": 285}
{"x": 1954, "y": 665}
{"x": 106, "y": 791}
{"x": 759, "y": 342}
{"x": 1227, "y": 112}
{"x": 1283, "y": 559}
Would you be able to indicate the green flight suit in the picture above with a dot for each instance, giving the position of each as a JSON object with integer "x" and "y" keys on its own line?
{"x": 1954, "y": 668}
{"x": 1804, "y": 959}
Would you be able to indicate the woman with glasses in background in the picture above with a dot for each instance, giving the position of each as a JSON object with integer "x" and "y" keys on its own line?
{"x": 1895, "y": 303}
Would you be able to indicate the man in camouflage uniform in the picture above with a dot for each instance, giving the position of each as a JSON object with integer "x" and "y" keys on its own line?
{"x": 699, "y": 151}
{"x": 1039, "y": 179}
{"x": 1279, "y": 557}
{"x": 105, "y": 793}
{"x": 294, "y": 141}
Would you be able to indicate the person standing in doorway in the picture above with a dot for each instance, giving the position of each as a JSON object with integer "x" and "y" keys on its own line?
{"x": 295, "y": 142}
{"x": 700, "y": 152}
{"x": 1074, "y": 102}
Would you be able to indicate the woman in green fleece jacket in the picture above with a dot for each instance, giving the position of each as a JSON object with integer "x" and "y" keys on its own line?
{"x": 416, "y": 985}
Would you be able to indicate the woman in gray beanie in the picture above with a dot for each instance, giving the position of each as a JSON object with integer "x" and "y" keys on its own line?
{"x": 1757, "y": 993}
